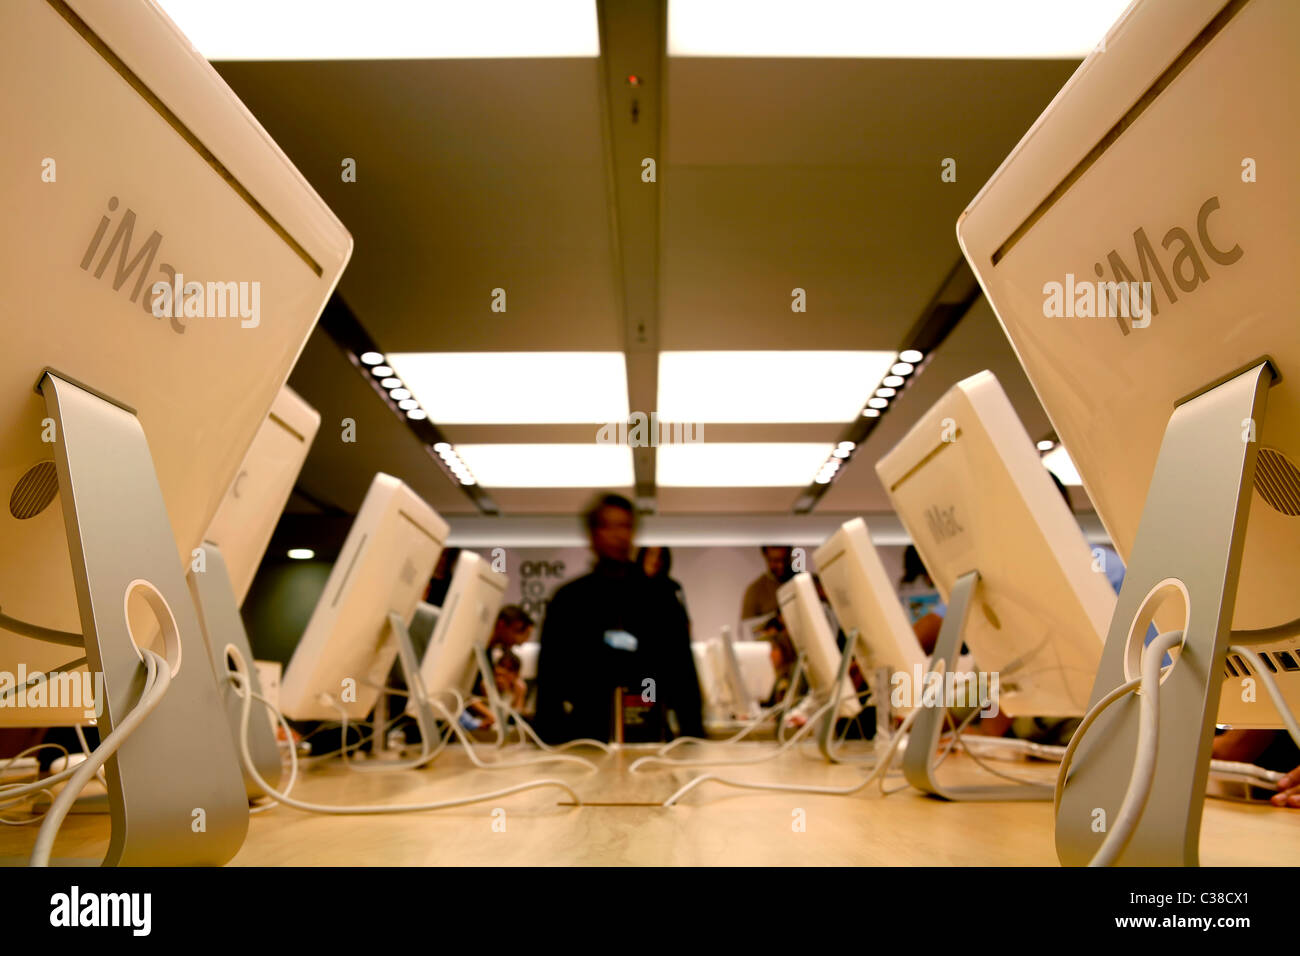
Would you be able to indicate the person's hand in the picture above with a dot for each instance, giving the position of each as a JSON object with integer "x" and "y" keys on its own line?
{"x": 1288, "y": 794}
{"x": 796, "y": 721}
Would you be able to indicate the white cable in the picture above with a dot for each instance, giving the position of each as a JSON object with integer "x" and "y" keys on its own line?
{"x": 247, "y": 709}
{"x": 158, "y": 679}
{"x": 526, "y": 730}
{"x": 881, "y": 768}
{"x": 1288, "y": 718}
{"x": 739, "y": 762}
{"x": 85, "y": 749}
{"x": 1144, "y": 764}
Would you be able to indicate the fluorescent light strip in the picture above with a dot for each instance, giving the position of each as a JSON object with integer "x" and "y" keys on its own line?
{"x": 517, "y": 388}
{"x": 739, "y": 464}
{"x": 941, "y": 29}
{"x": 387, "y": 29}
{"x": 550, "y": 465}
{"x": 766, "y": 387}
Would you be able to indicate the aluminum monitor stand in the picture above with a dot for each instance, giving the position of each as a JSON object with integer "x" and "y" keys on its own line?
{"x": 1191, "y": 535}
{"x": 174, "y": 786}
{"x": 214, "y": 596}
{"x": 826, "y": 742}
{"x": 918, "y": 760}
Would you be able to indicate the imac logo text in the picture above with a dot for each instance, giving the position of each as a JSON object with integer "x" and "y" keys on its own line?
{"x": 1187, "y": 268}
{"x": 120, "y": 243}
{"x": 943, "y": 522}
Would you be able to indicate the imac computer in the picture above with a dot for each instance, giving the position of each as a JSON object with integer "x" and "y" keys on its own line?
{"x": 810, "y": 630}
{"x": 233, "y": 548}
{"x": 457, "y": 650}
{"x": 1151, "y": 167}
{"x": 359, "y": 624}
{"x": 1006, "y": 553}
{"x": 165, "y": 264}
{"x": 866, "y": 603}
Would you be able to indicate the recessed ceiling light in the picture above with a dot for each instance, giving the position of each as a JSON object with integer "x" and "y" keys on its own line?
{"x": 381, "y": 371}
{"x": 441, "y": 447}
{"x": 526, "y": 388}
{"x": 886, "y": 392}
{"x": 1060, "y": 464}
{"x": 371, "y": 358}
{"x": 768, "y": 387}
{"x": 878, "y": 402}
{"x": 468, "y": 480}
{"x": 391, "y": 383}
{"x": 893, "y": 381}
{"x": 587, "y": 465}
{"x": 842, "y": 452}
{"x": 910, "y": 356}
{"x": 1046, "y": 444}
{"x": 301, "y": 554}
{"x": 387, "y": 29}
{"x": 903, "y": 368}
{"x": 823, "y": 479}
{"x": 739, "y": 464}
{"x": 407, "y": 404}
{"x": 417, "y": 414}
{"x": 847, "y": 444}
{"x": 935, "y": 29}
{"x": 398, "y": 394}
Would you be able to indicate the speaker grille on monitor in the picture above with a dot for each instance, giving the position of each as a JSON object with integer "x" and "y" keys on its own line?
{"x": 1278, "y": 481}
{"x": 34, "y": 491}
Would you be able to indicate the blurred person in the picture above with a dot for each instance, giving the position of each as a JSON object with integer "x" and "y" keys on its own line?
{"x": 760, "y": 596}
{"x": 658, "y": 563}
{"x": 612, "y": 628}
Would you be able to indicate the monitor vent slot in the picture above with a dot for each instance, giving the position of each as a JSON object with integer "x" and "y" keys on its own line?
{"x": 34, "y": 491}
{"x": 1277, "y": 480}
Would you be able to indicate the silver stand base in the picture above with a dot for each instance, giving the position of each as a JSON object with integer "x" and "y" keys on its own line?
{"x": 174, "y": 786}
{"x": 918, "y": 760}
{"x": 214, "y": 597}
{"x": 1192, "y": 532}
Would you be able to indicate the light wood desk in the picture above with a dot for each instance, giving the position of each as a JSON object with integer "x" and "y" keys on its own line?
{"x": 713, "y": 826}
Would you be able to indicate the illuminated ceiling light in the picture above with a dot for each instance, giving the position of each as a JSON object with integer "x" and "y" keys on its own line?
{"x": 821, "y": 386}
{"x": 1046, "y": 445}
{"x": 739, "y": 464}
{"x": 468, "y": 480}
{"x": 842, "y": 452}
{"x": 441, "y": 447}
{"x": 417, "y": 414}
{"x": 301, "y": 554}
{"x": 528, "y": 388}
{"x": 823, "y": 479}
{"x": 1060, "y": 464}
{"x": 381, "y": 371}
{"x": 893, "y": 381}
{"x": 387, "y": 29}
{"x": 847, "y": 444}
{"x": 559, "y": 465}
{"x": 878, "y": 403}
{"x": 910, "y": 356}
{"x": 930, "y": 29}
{"x": 407, "y": 404}
{"x": 371, "y": 358}
{"x": 886, "y": 392}
{"x": 903, "y": 368}
{"x": 871, "y": 413}
{"x": 398, "y": 394}
{"x": 391, "y": 383}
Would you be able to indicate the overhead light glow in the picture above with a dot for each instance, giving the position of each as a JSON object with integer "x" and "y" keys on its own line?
{"x": 381, "y": 371}
{"x": 871, "y": 413}
{"x": 767, "y": 387}
{"x": 903, "y": 368}
{"x": 910, "y": 356}
{"x": 886, "y": 392}
{"x": 441, "y": 447}
{"x": 301, "y": 554}
{"x": 398, "y": 394}
{"x": 417, "y": 414}
{"x": 842, "y": 452}
{"x": 587, "y": 465}
{"x": 391, "y": 383}
{"x": 517, "y": 388}
{"x": 893, "y": 381}
{"x": 738, "y": 464}
{"x": 1060, "y": 464}
{"x": 1046, "y": 444}
{"x": 371, "y": 358}
{"x": 850, "y": 445}
{"x": 933, "y": 29}
{"x": 878, "y": 402}
{"x": 387, "y": 29}
{"x": 407, "y": 404}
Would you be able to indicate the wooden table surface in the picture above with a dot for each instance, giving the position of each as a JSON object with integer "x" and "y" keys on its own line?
{"x": 714, "y": 825}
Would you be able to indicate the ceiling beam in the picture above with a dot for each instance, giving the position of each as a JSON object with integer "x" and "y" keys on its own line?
{"x": 632, "y": 47}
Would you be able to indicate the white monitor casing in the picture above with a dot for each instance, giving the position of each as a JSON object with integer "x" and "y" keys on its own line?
{"x": 970, "y": 488}
{"x": 810, "y": 630}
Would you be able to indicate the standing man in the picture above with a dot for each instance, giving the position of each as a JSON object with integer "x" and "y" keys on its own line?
{"x": 614, "y": 627}
{"x": 760, "y": 596}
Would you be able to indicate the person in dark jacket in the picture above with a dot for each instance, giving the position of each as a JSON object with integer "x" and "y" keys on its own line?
{"x": 614, "y": 627}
